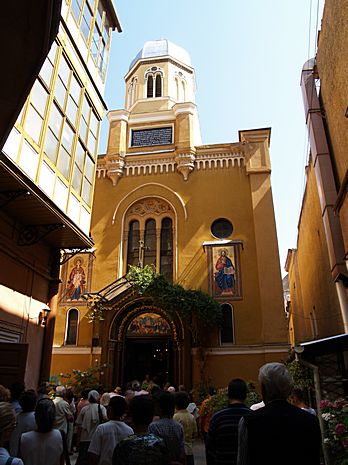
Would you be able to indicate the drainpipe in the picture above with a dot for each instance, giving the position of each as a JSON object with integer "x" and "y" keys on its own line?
{"x": 325, "y": 183}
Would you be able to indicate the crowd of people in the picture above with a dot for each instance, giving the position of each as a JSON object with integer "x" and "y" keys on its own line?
{"x": 147, "y": 424}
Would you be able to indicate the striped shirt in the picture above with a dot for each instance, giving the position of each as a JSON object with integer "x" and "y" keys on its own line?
{"x": 222, "y": 440}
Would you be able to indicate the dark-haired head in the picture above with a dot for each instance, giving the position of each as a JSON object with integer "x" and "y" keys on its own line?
{"x": 28, "y": 400}
{"x": 84, "y": 394}
{"x": 117, "y": 407}
{"x": 237, "y": 389}
{"x": 181, "y": 400}
{"x": 16, "y": 390}
{"x": 45, "y": 415}
{"x": 166, "y": 404}
{"x": 142, "y": 410}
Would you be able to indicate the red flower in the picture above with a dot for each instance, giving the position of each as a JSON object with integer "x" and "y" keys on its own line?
{"x": 340, "y": 429}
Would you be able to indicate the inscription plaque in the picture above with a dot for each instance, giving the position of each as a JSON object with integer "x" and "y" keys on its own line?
{"x": 148, "y": 137}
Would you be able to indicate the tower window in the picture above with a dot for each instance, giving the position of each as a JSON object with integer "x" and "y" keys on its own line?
{"x": 150, "y": 86}
{"x": 71, "y": 330}
{"x": 226, "y": 331}
{"x": 158, "y": 85}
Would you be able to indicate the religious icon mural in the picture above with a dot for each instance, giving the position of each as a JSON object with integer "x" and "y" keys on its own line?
{"x": 224, "y": 271}
{"x": 148, "y": 324}
{"x": 76, "y": 277}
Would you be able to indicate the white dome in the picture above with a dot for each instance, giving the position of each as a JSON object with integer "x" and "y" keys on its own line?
{"x": 160, "y": 48}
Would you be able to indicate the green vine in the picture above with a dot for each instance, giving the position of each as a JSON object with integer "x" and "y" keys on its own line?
{"x": 198, "y": 309}
{"x": 301, "y": 374}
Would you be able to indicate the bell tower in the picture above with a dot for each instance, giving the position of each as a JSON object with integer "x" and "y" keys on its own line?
{"x": 160, "y": 115}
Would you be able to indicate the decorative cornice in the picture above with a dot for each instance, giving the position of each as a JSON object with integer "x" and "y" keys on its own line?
{"x": 115, "y": 166}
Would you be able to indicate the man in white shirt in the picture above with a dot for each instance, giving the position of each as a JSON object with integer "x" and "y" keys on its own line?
{"x": 63, "y": 412}
{"x": 109, "y": 434}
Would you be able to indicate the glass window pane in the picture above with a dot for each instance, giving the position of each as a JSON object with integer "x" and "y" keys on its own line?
{"x": 39, "y": 97}
{"x": 64, "y": 71}
{"x": 94, "y": 46}
{"x": 64, "y": 162}
{"x": 150, "y": 242}
{"x": 52, "y": 53}
{"x": 29, "y": 160}
{"x": 76, "y": 8}
{"x": 68, "y": 137}
{"x": 74, "y": 208}
{"x": 46, "y": 181}
{"x": 71, "y": 110}
{"x": 77, "y": 179}
{"x": 99, "y": 17}
{"x": 83, "y": 129}
{"x": 94, "y": 123}
{"x": 75, "y": 89}
{"x": 106, "y": 31}
{"x": 60, "y": 92}
{"x": 86, "y": 192}
{"x": 91, "y": 143}
{"x": 12, "y": 144}
{"x": 60, "y": 194}
{"x": 226, "y": 332}
{"x": 85, "y": 220}
{"x": 85, "y": 109}
{"x": 71, "y": 337}
{"x": 80, "y": 155}
{"x": 101, "y": 56}
{"x": 86, "y": 22}
{"x": 46, "y": 72}
{"x": 51, "y": 146}
{"x": 89, "y": 170}
{"x": 133, "y": 244}
{"x": 33, "y": 124}
{"x": 56, "y": 119}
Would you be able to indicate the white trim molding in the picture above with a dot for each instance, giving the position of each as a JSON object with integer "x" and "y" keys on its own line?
{"x": 73, "y": 350}
{"x": 247, "y": 349}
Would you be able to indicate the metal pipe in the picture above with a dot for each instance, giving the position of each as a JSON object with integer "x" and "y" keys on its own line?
{"x": 325, "y": 183}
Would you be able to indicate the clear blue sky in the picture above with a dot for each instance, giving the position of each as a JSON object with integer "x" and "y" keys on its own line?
{"x": 248, "y": 57}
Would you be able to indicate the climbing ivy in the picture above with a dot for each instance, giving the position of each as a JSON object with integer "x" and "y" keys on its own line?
{"x": 198, "y": 309}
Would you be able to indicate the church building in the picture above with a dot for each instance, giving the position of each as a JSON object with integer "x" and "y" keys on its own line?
{"x": 200, "y": 214}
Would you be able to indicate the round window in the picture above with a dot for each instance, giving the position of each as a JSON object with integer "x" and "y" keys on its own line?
{"x": 221, "y": 228}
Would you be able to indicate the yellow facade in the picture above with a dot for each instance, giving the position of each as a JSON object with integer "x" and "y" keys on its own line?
{"x": 317, "y": 268}
{"x": 156, "y": 168}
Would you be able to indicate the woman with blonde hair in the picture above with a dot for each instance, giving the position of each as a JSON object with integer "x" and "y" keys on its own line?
{"x": 7, "y": 425}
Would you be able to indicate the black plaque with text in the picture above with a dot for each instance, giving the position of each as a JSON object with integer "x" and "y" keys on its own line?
{"x": 155, "y": 136}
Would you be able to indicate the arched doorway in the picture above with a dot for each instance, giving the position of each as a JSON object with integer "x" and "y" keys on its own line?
{"x": 148, "y": 349}
{"x": 144, "y": 339}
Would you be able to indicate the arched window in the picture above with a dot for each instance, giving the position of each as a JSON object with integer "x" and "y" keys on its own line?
{"x": 129, "y": 95}
{"x": 183, "y": 91}
{"x": 150, "y": 243}
{"x": 226, "y": 331}
{"x": 177, "y": 89}
{"x": 71, "y": 327}
{"x": 166, "y": 256}
{"x": 149, "y": 236}
{"x": 134, "y": 90}
{"x": 133, "y": 243}
{"x": 158, "y": 85}
{"x": 149, "y": 86}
